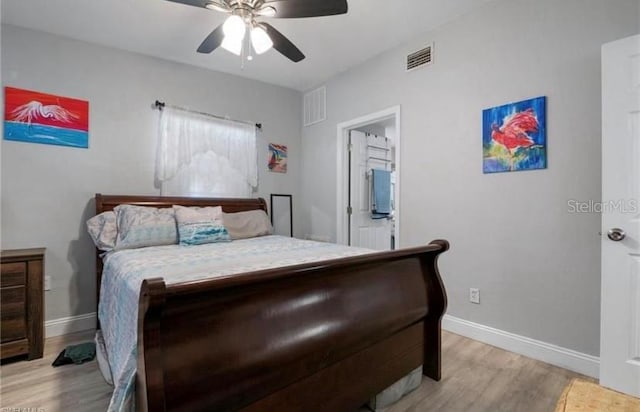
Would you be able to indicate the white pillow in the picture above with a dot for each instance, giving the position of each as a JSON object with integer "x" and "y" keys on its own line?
{"x": 140, "y": 226}
{"x": 103, "y": 230}
{"x": 243, "y": 225}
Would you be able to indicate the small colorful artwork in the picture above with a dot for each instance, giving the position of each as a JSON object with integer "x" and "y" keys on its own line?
{"x": 45, "y": 118}
{"x": 277, "y": 158}
{"x": 514, "y": 136}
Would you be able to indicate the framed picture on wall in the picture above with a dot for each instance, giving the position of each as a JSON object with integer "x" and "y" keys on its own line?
{"x": 514, "y": 136}
{"x": 35, "y": 117}
{"x": 277, "y": 158}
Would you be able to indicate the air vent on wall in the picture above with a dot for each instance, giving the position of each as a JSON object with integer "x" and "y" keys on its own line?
{"x": 420, "y": 58}
{"x": 315, "y": 106}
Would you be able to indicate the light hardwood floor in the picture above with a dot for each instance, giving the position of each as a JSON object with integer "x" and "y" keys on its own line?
{"x": 476, "y": 378}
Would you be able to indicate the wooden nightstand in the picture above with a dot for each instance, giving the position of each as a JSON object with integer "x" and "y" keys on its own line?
{"x": 22, "y": 303}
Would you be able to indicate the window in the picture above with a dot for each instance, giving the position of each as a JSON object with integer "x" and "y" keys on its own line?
{"x": 200, "y": 155}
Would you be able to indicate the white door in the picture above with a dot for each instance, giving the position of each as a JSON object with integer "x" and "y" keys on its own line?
{"x": 367, "y": 152}
{"x": 620, "y": 319}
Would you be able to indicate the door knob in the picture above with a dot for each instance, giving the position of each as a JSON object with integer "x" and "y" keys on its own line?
{"x": 616, "y": 234}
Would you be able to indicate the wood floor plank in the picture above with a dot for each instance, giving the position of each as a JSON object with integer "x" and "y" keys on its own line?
{"x": 36, "y": 384}
{"x": 476, "y": 378}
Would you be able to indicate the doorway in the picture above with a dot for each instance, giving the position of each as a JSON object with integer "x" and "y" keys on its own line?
{"x": 368, "y": 181}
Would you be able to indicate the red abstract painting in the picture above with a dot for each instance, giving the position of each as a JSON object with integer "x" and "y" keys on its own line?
{"x": 45, "y": 118}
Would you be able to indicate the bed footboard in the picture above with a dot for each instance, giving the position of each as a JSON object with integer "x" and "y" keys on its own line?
{"x": 325, "y": 335}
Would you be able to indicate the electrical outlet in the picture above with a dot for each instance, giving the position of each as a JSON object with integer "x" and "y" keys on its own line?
{"x": 47, "y": 283}
{"x": 474, "y": 295}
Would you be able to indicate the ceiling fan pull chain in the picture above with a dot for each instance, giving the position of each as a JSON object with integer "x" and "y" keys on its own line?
{"x": 242, "y": 55}
{"x": 248, "y": 44}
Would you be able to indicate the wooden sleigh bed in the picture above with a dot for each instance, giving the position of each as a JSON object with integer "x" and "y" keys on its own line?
{"x": 220, "y": 344}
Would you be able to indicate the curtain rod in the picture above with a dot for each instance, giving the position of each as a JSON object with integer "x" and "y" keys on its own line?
{"x": 161, "y": 105}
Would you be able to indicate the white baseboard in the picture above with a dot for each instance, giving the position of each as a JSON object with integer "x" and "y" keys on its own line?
{"x": 555, "y": 355}
{"x": 71, "y": 324}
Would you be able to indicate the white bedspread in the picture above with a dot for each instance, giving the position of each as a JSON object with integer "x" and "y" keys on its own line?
{"x": 125, "y": 270}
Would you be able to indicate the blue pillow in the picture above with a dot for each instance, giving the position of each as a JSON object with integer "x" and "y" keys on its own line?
{"x": 200, "y": 225}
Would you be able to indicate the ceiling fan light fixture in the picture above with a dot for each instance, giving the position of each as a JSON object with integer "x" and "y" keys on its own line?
{"x": 242, "y": 14}
{"x": 232, "y": 45}
{"x": 234, "y": 29}
{"x": 260, "y": 40}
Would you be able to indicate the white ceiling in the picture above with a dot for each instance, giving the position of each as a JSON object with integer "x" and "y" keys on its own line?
{"x": 174, "y": 31}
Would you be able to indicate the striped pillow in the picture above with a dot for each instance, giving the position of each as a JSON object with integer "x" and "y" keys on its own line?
{"x": 200, "y": 225}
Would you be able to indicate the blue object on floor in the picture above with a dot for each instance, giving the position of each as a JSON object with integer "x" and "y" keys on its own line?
{"x": 77, "y": 354}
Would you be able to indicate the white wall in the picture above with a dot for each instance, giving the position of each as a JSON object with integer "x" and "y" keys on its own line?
{"x": 537, "y": 266}
{"x": 47, "y": 190}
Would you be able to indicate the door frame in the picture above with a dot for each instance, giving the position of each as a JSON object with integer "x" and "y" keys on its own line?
{"x": 342, "y": 170}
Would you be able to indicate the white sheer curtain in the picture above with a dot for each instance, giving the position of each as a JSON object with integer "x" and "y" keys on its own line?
{"x": 199, "y": 155}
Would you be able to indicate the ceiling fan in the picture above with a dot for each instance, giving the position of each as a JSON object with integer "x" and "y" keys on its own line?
{"x": 231, "y": 34}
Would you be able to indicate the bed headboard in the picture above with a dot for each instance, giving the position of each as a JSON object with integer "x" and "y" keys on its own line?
{"x": 108, "y": 202}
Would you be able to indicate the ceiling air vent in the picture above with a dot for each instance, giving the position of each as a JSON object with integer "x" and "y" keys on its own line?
{"x": 315, "y": 106}
{"x": 420, "y": 58}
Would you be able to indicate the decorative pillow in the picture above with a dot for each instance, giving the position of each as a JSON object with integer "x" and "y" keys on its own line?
{"x": 199, "y": 225}
{"x": 243, "y": 225}
{"x": 140, "y": 226}
{"x": 103, "y": 230}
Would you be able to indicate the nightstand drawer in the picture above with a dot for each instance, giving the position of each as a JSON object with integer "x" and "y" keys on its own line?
{"x": 21, "y": 303}
{"x": 13, "y": 313}
{"x": 13, "y": 274}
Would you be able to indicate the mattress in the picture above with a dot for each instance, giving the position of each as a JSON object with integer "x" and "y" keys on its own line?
{"x": 125, "y": 270}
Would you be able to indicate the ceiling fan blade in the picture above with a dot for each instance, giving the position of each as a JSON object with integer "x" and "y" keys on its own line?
{"x": 196, "y": 3}
{"x": 213, "y": 41}
{"x": 304, "y": 8}
{"x": 282, "y": 44}
{"x": 218, "y": 5}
